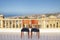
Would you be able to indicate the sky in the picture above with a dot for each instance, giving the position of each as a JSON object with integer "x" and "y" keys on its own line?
{"x": 27, "y": 7}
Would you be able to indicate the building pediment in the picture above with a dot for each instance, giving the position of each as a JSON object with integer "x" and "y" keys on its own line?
{"x": 52, "y": 16}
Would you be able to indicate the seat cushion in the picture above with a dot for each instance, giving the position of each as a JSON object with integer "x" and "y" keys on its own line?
{"x": 34, "y": 30}
{"x": 24, "y": 30}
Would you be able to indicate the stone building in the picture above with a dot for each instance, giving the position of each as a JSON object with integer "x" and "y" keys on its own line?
{"x": 43, "y": 22}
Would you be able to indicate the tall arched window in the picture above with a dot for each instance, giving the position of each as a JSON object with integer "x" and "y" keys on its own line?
{"x": 57, "y": 25}
{"x": 54, "y": 25}
{"x": 3, "y": 24}
{"x": 51, "y": 25}
{"x": 47, "y": 26}
{"x": 10, "y": 23}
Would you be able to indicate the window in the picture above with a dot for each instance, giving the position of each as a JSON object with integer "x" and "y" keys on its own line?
{"x": 57, "y": 25}
{"x": 4, "y": 24}
{"x": 54, "y": 25}
{"x": 51, "y": 25}
{"x": 16, "y": 26}
{"x": 13, "y": 26}
{"x": 16, "y": 21}
{"x": 47, "y": 26}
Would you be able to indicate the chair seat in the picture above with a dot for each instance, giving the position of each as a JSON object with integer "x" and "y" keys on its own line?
{"x": 24, "y": 30}
{"x": 34, "y": 30}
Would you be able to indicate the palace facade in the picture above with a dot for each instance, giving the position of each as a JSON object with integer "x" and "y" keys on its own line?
{"x": 43, "y": 22}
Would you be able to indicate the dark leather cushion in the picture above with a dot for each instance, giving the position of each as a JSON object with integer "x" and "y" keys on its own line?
{"x": 34, "y": 30}
{"x": 24, "y": 30}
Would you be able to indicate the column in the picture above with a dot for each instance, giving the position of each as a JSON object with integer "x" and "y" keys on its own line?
{"x": 59, "y": 24}
{"x": 15, "y": 23}
{"x": 11, "y": 23}
{"x": 21, "y": 24}
{"x": 18, "y": 24}
{"x": 1, "y": 23}
{"x": 5, "y": 23}
{"x": 8, "y": 23}
{"x": 44, "y": 24}
{"x": 49, "y": 23}
{"x": 55, "y": 25}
